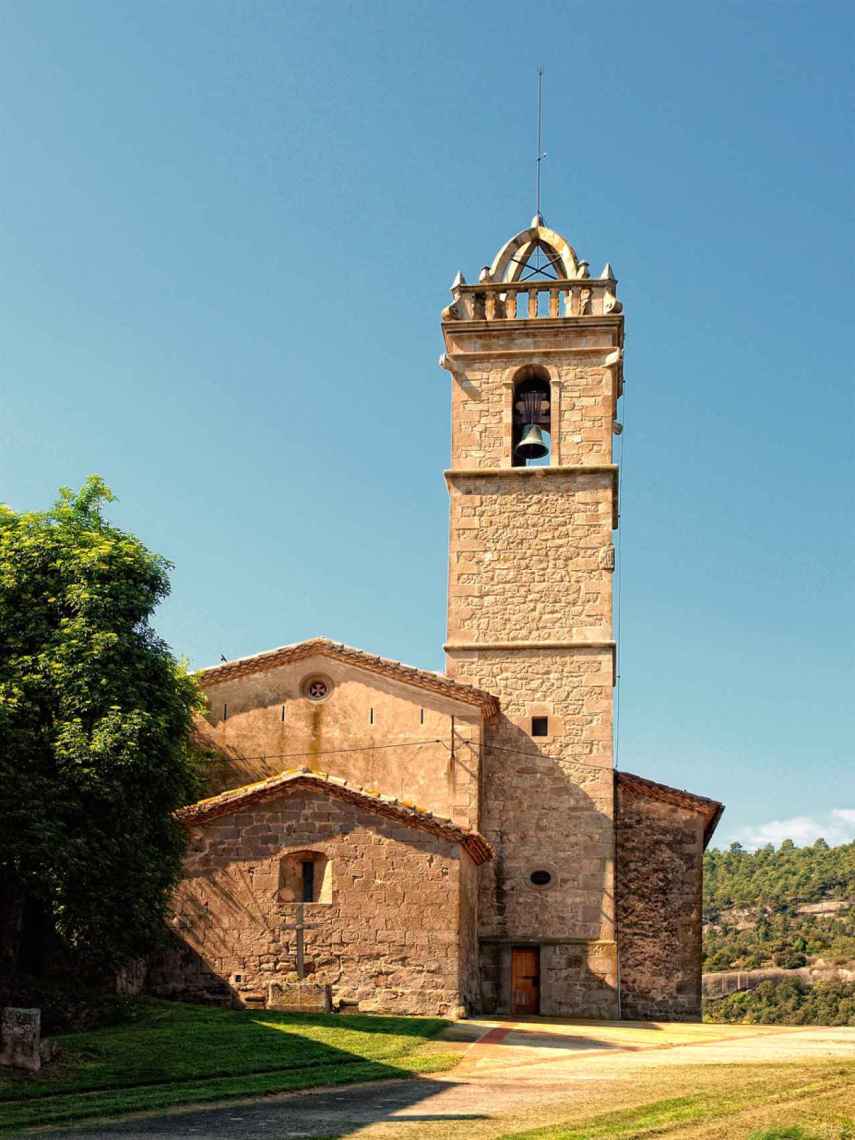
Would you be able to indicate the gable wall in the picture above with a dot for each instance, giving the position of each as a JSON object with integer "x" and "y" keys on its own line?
{"x": 337, "y": 735}
{"x": 390, "y": 939}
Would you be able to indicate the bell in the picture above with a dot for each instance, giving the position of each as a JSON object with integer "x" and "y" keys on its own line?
{"x": 531, "y": 446}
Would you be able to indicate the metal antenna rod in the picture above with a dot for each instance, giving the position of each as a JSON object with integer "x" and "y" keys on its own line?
{"x": 540, "y": 154}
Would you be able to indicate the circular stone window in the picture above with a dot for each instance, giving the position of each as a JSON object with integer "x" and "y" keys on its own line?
{"x": 317, "y": 688}
{"x": 540, "y": 878}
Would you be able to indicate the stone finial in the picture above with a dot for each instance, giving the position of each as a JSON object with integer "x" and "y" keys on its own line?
{"x": 459, "y": 280}
{"x": 583, "y": 269}
{"x": 608, "y": 274}
{"x": 20, "y": 1031}
{"x": 537, "y": 220}
{"x": 484, "y": 275}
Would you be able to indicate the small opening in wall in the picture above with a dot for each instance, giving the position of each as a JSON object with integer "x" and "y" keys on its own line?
{"x": 283, "y": 713}
{"x": 540, "y": 726}
{"x": 225, "y": 712}
{"x": 371, "y": 716}
{"x": 308, "y": 874}
{"x": 540, "y": 878}
{"x": 421, "y": 716}
{"x": 238, "y": 977}
{"x": 305, "y": 876}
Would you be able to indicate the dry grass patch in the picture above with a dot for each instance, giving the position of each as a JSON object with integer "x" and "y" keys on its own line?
{"x": 718, "y": 1102}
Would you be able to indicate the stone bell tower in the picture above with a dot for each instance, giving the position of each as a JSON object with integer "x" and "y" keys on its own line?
{"x": 534, "y": 351}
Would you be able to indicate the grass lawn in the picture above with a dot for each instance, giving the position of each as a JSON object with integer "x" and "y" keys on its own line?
{"x": 174, "y": 1053}
{"x": 813, "y": 1101}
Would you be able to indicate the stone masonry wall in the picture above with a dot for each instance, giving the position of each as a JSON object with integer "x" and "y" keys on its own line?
{"x": 581, "y": 415}
{"x": 262, "y": 723}
{"x": 530, "y": 558}
{"x": 548, "y": 805}
{"x": 659, "y": 877}
{"x": 390, "y": 940}
{"x": 547, "y": 802}
{"x": 577, "y": 978}
{"x": 470, "y": 981}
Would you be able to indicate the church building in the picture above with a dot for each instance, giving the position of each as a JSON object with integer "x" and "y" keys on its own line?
{"x": 388, "y": 839}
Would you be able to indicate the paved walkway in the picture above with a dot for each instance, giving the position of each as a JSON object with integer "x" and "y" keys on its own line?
{"x": 523, "y": 1070}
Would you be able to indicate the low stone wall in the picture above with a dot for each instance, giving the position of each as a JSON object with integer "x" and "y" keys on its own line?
{"x": 725, "y": 982}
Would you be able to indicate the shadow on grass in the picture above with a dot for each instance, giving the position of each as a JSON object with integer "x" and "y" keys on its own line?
{"x": 180, "y": 1054}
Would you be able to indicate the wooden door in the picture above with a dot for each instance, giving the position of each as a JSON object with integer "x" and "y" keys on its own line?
{"x": 525, "y": 979}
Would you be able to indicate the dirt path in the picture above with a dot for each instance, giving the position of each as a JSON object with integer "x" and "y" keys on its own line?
{"x": 518, "y": 1075}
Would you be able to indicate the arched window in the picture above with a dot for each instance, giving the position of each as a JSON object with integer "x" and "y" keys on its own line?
{"x": 531, "y": 440}
{"x": 305, "y": 876}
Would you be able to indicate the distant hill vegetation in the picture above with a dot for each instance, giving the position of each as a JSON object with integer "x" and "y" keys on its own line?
{"x": 777, "y": 877}
{"x": 790, "y": 908}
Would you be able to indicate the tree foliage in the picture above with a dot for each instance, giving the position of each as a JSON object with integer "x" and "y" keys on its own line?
{"x": 95, "y": 719}
{"x": 777, "y": 877}
{"x": 754, "y": 919}
{"x": 788, "y": 1002}
{"x": 788, "y": 940}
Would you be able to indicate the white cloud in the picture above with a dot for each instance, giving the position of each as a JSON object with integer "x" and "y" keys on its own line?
{"x": 836, "y": 826}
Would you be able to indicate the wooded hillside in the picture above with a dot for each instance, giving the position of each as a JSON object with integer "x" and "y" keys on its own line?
{"x": 777, "y": 877}
{"x": 791, "y": 908}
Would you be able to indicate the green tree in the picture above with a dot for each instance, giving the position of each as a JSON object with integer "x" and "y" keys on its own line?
{"x": 95, "y": 723}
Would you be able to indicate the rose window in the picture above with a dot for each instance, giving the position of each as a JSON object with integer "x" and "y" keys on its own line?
{"x": 317, "y": 688}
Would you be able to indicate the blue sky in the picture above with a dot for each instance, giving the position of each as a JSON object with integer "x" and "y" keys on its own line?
{"x": 226, "y": 234}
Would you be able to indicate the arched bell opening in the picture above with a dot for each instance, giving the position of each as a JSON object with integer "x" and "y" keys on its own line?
{"x": 531, "y": 439}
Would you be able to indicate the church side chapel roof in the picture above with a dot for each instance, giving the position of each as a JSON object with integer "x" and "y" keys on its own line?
{"x": 292, "y": 780}
{"x": 710, "y": 809}
{"x": 323, "y": 646}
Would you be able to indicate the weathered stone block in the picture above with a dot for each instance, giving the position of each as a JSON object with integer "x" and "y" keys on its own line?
{"x": 20, "y": 1034}
{"x": 300, "y": 997}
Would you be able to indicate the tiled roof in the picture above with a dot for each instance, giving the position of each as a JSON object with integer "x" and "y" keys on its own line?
{"x": 710, "y": 809}
{"x": 475, "y": 845}
{"x": 407, "y": 674}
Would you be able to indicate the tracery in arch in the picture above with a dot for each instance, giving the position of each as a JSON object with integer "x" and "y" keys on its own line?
{"x": 537, "y": 252}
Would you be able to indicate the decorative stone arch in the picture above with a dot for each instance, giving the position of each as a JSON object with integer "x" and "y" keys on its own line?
{"x": 302, "y": 871}
{"x": 509, "y": 261}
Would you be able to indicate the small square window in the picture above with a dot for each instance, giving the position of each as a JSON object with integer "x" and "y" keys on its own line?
{"x": 540, "y": 726}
